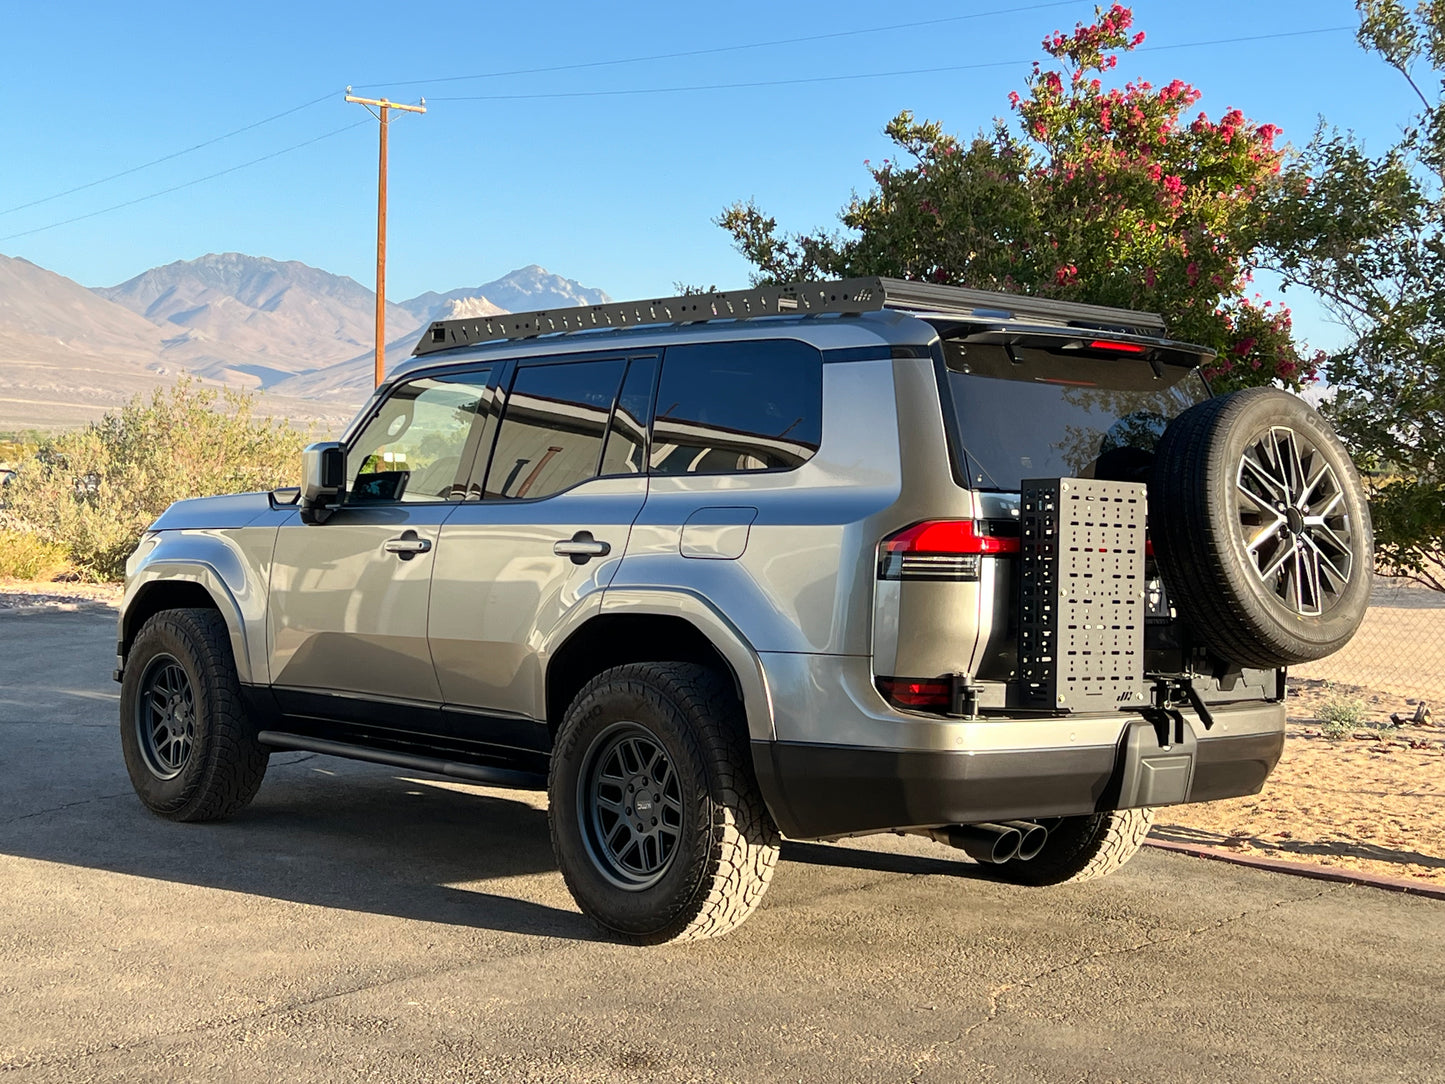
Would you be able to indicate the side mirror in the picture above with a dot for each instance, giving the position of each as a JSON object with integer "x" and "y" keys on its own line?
{"x": 323, "y": 480}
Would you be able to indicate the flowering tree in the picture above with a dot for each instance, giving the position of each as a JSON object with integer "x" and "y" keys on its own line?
{"x": 1105, "y": 194}
{"x": 1365, "y": 234}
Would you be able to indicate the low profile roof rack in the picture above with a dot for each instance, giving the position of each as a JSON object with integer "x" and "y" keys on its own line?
{"x": 847, "y": 296}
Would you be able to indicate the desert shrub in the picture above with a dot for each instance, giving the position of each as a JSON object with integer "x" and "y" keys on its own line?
{"x": 95, "y": 490}
{"x": 1341, "y": 715}
{"x": 26, "y": 556}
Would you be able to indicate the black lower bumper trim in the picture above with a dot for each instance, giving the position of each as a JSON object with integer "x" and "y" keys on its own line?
{"x": 815, "y": 790}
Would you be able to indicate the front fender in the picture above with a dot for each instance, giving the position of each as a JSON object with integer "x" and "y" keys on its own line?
{"x": 216, "y": 564}
{"x": 726, "y": 637}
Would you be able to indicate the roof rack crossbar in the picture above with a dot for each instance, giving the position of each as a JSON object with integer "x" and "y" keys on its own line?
{"x": 843, "y": 297}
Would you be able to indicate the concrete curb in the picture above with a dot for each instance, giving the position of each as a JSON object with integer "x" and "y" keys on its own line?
{"x": 1303, "y": 869}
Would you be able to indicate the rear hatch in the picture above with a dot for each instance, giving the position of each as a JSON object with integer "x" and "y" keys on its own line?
{"x": 1018, "y": 403}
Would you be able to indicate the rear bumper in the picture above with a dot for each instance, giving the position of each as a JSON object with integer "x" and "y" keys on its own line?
{"x": 816, "y": 790}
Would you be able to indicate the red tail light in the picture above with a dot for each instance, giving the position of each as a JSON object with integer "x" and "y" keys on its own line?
{"x": 942, "y": 549}
{"x": 1120, "y": 348}
{"x": 913, "y": 693}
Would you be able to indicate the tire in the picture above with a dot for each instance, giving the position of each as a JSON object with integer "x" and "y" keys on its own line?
{"x": 1082, "y": 848}
{"x": 1261, "y": 529}
{"x": 191, "y": 752}
{"x": 677, "y": 727}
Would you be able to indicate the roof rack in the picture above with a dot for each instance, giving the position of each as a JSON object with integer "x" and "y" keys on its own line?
{"x": 847, "y": 296}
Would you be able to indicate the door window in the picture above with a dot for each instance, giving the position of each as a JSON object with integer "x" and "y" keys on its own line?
{"x": 413, "y": 448}
{"x": 626, "y": 451}
{"x": 723, "y": 408}
{"x": 552, "y": 428}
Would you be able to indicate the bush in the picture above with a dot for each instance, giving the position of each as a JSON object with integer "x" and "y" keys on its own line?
{"x": 1341, "y": 716}
{"x": 95, "y": 490}
{"x": 25, "y": 556}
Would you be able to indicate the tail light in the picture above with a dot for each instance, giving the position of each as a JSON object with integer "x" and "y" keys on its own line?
{"x": 945, "y": 549}
{"x": 915, "y": 693}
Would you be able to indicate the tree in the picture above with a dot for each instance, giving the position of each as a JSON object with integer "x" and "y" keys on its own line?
{"x": 1365, "y": 234}
{"x": 1103, "y": 194}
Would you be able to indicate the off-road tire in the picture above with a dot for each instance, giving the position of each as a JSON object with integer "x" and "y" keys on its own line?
{"x": 727, "y": 846}
{"x": 1082, "y": 848}
{"x": 226, "y": 763}
{"x": 1202, "y": 529}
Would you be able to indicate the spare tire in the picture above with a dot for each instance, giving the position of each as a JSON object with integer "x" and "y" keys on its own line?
{"x": 1261, "y": 530}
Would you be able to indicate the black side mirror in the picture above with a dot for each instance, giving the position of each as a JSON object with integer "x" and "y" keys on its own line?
{"x": 323, "y": 480}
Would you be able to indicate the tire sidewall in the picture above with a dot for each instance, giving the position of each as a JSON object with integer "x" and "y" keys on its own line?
{"x": 1317, "y": 635}
{"x": 166, "y": 637}
{"x": 654, "y": 911}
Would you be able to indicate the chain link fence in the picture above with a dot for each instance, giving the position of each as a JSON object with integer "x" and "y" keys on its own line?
{"x": 1396, "y": 662}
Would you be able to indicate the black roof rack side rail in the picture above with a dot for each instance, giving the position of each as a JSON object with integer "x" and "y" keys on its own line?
{"x": 846, "y": 296}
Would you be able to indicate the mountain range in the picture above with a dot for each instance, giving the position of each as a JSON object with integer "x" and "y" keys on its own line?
{"x": 299, "y": 336}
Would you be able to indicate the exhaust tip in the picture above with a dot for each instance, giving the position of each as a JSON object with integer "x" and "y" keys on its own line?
{"x": 1032, "y": 838}
{"x": 989, "y": 843}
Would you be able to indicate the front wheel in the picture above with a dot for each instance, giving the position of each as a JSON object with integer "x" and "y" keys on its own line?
{"x": 191, "y": 752}
{"x": 657, "y": 823}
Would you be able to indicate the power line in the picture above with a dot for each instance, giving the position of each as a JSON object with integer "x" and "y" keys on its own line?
{"x": 167, "y": 157}
{"x": 187, "y": 184}
{"x": 720, "y": 48}
{"x": 856, "y": 75}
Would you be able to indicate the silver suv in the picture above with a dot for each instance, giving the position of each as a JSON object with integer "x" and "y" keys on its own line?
{"x": 827, "y": 559}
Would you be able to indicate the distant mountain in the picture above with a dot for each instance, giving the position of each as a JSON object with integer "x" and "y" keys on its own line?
{"x": 524, "y": 290}
{"x": 299, "y": 335}
{"x": 252, "y": 320}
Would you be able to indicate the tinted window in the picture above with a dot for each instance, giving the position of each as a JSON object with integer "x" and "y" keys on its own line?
{"x": 1034, "y": 414}
{"x": 412, "y": 449}
{"x": 729, "y": 407}
{"x": 626, "y": 451}
{"x": 552, "y": 428}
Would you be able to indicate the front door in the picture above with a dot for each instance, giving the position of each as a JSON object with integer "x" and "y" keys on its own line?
{"x": 349, "y": 597}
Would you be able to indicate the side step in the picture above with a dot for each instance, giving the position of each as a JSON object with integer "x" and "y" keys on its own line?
{"x": 475, "y": 773}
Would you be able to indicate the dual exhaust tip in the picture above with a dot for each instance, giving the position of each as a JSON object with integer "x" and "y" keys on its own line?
{"x": 994, "y": 843}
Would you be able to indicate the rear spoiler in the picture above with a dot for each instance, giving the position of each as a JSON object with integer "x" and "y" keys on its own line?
{"x": 1089, "y": 342}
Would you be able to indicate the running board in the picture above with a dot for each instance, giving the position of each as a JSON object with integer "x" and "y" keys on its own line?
{"x": 475, "y": 773}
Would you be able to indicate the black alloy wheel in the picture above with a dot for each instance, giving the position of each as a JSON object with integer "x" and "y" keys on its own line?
{"x": 165, "y": 717}
{"x": 630, "y": 801}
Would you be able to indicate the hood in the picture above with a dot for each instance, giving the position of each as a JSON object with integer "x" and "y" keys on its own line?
{"x": 213, "y": 513}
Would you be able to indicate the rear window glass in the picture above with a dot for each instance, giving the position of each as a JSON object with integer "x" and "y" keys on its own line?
{"x": 729, "y": 407}
{"x": 1025, "y": 413}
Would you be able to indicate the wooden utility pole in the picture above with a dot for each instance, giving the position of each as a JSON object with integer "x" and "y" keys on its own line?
{"x": 385, "y": 117}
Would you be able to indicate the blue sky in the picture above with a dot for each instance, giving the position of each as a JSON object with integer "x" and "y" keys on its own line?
{"x": 617, "y": 190}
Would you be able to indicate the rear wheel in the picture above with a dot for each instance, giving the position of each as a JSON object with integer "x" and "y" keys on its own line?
{"x": 191, "y": 752}
{"x": 657, "y": 823}
{"x": 1082, "y": 848}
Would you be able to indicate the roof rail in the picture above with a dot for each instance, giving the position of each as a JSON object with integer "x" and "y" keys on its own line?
{"x": 846, "y": 296}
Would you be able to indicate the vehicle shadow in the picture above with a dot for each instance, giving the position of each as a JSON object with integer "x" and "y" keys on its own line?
{"x": 375, "y": 840}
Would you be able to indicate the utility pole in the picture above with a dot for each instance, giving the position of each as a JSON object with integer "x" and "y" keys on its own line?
{"x": 385, "y": 117}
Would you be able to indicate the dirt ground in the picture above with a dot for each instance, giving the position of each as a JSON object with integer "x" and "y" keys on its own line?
{"x": 1372, "y": 800}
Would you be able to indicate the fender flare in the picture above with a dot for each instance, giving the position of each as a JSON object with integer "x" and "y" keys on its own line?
{"x": 725, "y": 637}
{"x": 208, "y": 571}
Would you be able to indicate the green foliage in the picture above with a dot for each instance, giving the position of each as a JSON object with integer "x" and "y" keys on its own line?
{"x": 1102, "y": 194}
{"x": 26, "y": 556}
{"x": 1341, "y": 716}
{"x": 94, "y": 491}
{"x": 1365, "y": 233}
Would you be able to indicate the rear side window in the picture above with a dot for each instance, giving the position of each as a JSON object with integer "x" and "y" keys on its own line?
{"x": 724, "y": 408}
{"x": 552, "y": 428}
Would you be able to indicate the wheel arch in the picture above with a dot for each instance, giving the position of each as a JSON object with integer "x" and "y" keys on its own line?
{"x": 192, "y": 585}
{"x": 645, "y": 625}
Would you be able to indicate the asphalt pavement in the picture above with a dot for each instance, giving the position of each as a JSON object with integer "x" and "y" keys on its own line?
{"x": 364, "y": 923}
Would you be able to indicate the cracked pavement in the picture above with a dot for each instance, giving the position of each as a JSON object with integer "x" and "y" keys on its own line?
{"x": 359, "y": 922}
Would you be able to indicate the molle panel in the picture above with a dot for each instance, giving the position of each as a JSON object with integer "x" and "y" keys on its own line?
{"x": 1081, "y": 609}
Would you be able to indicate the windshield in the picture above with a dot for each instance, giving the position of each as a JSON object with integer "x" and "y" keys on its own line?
{"x": 1019, "y": 413}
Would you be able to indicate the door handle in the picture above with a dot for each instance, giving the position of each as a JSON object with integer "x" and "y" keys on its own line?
{"x": 581, "y": 547}
{"x": 407, "y": 546}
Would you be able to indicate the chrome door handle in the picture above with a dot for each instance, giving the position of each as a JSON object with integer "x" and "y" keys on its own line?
{"x": 581, "y": 547}
{"x": 407, "y": 546}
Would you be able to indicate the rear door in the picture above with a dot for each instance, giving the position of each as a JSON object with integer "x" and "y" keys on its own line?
{"x": 566, "y": 479}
